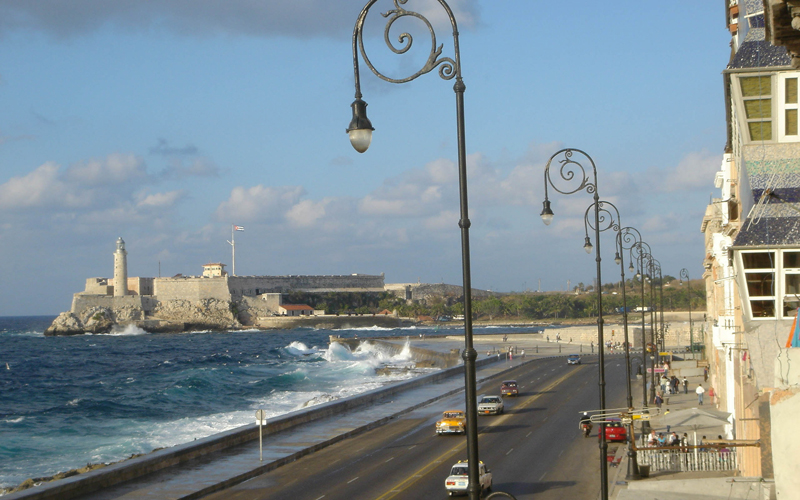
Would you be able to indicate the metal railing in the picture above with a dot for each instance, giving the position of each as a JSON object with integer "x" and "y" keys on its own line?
{"x": 688, "y": 458}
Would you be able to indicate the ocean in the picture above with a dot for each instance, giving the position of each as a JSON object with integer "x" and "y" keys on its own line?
{"x": 66, "y": 402}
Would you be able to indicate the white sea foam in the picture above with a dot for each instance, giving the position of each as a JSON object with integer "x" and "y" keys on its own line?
{"x": 130, "y": 329}
{"x": 298, "y": 348}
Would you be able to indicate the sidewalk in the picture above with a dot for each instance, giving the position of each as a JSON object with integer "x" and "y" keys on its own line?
{"x": 218, "y": 470}
{"x": 668, "y": 485}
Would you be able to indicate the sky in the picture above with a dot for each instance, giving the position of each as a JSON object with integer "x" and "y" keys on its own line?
{"x": 167, "y": 122}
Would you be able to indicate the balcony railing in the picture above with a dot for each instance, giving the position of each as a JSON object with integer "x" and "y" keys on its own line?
{"x": 688, "y": 458}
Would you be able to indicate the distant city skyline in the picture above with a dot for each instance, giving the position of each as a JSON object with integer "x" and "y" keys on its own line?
{"x": 167, "y": 123}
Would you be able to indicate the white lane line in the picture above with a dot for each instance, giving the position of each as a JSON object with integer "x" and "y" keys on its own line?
{"x": 528, "y": 434}
{"x": 562, "y": 452}
{"x": 323, "y": 496}
{"x": 350, "y": 481}
{"x": 389, "y": 460}
{"x": 413, "y": 447}
{"x": 542, "y": 476}
{"x": 509, "y": 451}
{"x": 544, "y": 419}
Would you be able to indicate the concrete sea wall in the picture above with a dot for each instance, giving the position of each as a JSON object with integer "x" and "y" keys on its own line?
{"x": 84, "y": 484}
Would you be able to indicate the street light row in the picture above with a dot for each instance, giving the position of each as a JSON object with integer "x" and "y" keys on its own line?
{"x": 572, "y": 177}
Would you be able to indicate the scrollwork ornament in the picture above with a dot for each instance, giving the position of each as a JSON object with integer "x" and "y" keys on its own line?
{"x": 572, "y": 172}
{"x": 605, "y": 217}
{"x": 448, "y": 68}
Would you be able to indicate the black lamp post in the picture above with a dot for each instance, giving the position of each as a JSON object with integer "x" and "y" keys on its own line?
{"x": 684, "y": 275}
{"x": 640, "y": 251}
{"x": 360, "y": 132}
{"x": 574, "y": 178}
{"x": 629, "y": 236}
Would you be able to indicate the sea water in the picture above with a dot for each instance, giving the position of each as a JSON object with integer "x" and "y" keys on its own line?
{"x": 70, "y": 401}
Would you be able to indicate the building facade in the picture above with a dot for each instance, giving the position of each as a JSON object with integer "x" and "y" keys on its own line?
{"x": 752, "y": 236}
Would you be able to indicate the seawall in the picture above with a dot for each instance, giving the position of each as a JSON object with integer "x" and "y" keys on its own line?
{"x": 84, "y": 484}
{"x": 424, "y": 358}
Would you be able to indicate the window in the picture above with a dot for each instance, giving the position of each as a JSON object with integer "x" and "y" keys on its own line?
{"x": 772, "y": 280}
{"x": 757, "y": 97}
{"x": 788, "y": 98}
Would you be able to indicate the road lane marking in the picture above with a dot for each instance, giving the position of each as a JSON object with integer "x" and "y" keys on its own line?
{"x": 544, "y": 419}
{"x": 350, "y": 481}
{"x": 413, "y": 447}
{"x": 390, "y": 459}
{"x": 528, "y": 434}
{"x": 427, "y": 468}
{"x": 542, "y": 476}
{"x": 509, "y": 451}
{"x": 318, "y": 498}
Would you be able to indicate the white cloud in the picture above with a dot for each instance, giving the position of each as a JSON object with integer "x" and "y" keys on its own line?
{"x": 160, "y": 200}
{"x": 695, "y": 171}
{"x": 116, "y": 168}
{"x": 259, "y": 203}
{"x": 201, "y": 18}
{"x": 306, "y": 213}
{"x": 41, "y": 188}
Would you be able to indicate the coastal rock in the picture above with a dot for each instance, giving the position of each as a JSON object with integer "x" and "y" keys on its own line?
{"x": 97, "y": 320}
{"x": 210, "y": 314}
{"x": 65, "y": 324}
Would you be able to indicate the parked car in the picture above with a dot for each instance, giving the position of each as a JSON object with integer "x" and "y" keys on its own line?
{"x": 452, "y": 422}
{"x": 458, "y": 480}
{"x": 573, "y": 359}
{"x": 509, "y": 388}
{"x": 491, "y": 405}
{"x": 615, "y": 431}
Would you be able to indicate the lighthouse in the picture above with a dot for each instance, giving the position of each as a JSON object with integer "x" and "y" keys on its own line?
{"x": 120, "y": 269}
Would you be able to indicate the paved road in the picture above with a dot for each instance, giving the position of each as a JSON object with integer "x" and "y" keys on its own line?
{"x": 534, "y": 449}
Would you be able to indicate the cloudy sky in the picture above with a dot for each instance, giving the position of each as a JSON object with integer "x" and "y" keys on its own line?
{"x": 165, "y": 122}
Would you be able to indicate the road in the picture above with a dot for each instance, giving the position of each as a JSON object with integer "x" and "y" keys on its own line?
{"x": 534, "y": 450}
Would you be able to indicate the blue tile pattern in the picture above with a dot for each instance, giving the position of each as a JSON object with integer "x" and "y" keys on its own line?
{"x": 752, "y": 7}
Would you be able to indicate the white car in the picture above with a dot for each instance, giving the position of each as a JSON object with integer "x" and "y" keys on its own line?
{"x": 458, "y": 480}
{"x": 491, "y": 405}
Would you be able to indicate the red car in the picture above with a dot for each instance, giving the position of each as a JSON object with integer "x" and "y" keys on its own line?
{"x": 615, "y": 431}
{"x": 509, "y": 388}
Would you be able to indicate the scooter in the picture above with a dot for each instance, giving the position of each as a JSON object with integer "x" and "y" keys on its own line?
{"x": 586, "y": 427}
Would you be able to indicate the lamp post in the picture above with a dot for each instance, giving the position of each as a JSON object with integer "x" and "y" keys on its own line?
{"x": 651, "y": 271}
{"x": 684, "y": 275}
{"x": 640, "y": 252}
{"x": 574, "y": 177}
{"x": 360, "y": 132}
{"x": 630, "y": 236}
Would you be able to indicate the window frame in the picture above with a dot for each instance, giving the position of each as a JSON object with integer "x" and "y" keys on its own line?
{"x": 778, "y": 107}
{"x": 780, "y": 296}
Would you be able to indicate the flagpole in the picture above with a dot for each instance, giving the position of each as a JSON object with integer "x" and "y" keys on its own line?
{"x": 233, "y": 250}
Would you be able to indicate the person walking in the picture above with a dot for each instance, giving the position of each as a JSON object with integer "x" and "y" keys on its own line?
{"x": 700, "y": 391}
{"x": 685, "y": 385}
{"x": 658, "y": 400}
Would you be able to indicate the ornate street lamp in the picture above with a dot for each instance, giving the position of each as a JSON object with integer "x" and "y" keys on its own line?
{"x": 360, "y": 132}
{"x": 640, "y": 252}
{"x": 574, "y": 177}
{"x": 684, "y": 275}
{"x": 630, "y": 236}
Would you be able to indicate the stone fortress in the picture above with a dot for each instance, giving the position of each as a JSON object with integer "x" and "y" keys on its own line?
{"x": 213, "y": 300}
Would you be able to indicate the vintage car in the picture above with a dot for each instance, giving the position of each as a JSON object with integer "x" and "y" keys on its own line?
{"x": 509, "y": 388}
{"x": 573, "y": 359}
{"x": 490, "y": 405}
{"x": 458, "y": 480}
{"x": 615, "y": 431}
{"x": 452, "y": 422}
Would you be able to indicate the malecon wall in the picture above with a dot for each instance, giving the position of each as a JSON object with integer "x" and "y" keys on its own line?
{"x": 257, "y": 285}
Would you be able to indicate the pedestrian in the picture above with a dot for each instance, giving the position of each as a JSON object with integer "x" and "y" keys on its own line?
{"x": 700, "y": 391}
{"x": 674, "y": 440}
{"x": 662, "y": 441}
{"x": 705, "y": 374}
{"x": 652, "y": 439}
{"x": 685, "y": 442}
{"x": 523, "y": 354}
{"x": 658, "y": 400}
{"x": 548, "y": 338}
{"x": 685, "y": 385}
{"x": 675, "y": 383}
{"x": 664, "y": 381}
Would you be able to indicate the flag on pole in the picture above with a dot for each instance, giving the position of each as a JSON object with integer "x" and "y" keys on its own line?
{"x": 238, "y": 228}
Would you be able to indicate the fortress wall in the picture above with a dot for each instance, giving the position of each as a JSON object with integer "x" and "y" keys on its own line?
{"x": 81, "y": 302}
{"x": 98, "y": 286}
{"x": 257, "y": 285}
{"x": 191, "y": 288}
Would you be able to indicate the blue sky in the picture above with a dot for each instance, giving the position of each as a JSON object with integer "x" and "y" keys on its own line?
{"x": 166, "y": 122}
